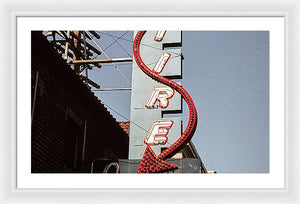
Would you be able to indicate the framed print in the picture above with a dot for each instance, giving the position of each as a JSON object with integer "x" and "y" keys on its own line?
{"x": 265, "y": 32}
{"x": 254, "y": 102}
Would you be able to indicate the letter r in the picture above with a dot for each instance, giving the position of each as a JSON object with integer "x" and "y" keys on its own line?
{"x": 161, "y": 94}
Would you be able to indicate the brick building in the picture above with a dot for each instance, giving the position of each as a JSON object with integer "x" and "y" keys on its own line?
{"x": 70, "y": 126}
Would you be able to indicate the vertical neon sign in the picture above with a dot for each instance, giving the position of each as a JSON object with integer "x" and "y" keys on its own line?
{"x": 163, "y": 95}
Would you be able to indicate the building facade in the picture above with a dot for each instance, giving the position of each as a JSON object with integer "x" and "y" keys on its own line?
{"x": 70, "y": 127}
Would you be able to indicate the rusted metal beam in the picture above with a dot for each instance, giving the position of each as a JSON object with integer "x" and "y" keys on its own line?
{"x": 71, "y": 43}
{"x": 85, "y": 57}
{"x": 92, "y": 61}
{"x": 79, "y": 53}
{"x": 94, "y": 84}
{"x": 91, "y": 47}
{"x": 71, "y": 46}
{"x": 88, "y": 36}
{"x": 56, "y": 46}
{"x": 67, "y": 45}
{"x": 76, "y": 68}
{"x": 95, "y": 34}
{"x": 112, "y": 89}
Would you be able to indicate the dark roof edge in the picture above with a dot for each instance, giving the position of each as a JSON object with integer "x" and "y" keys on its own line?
{"x": 40, "y": 45}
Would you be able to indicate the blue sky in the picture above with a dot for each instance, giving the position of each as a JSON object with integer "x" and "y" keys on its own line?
{"x": 227, "y": 75}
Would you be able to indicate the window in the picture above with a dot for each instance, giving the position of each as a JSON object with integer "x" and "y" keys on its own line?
{"x": 73, "y": 144}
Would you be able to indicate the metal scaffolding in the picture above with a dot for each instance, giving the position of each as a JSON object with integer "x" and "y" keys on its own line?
{"x": 76, "y": 47}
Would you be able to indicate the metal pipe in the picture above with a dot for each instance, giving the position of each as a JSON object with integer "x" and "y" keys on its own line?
{"x": 67, "y": 45}
{"x": 84, "y": 140}
{"x": 115, "y": 164}
{"x": 95, "y": 34}
{"x": 88, "y": 44}
{"x": 91, "y": 82}
{"x": 34, "y": 96}
{"x": 111, "y": 89}
{"x": 86, "y": 70}
{"x": 75, "y": 54}
{"x": 100, "y": 48}
{"x": 92, "y": 165}
{"x": 100, "y": 61}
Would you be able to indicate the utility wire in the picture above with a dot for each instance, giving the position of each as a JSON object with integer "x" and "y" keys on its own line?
{"x": 118, "y": 38}
{"x": 129, "y": 120}
{"x": 123, "y": 76}
{"x": 100, "y": 49}
{"x": 115, "y": 40}
{"x": 120, "y": 44}
{"x": 108, "y": 65}
{"x": 140, "y": 43}
{"x": 109, "y": 58}
{"x": 144, "y": 129}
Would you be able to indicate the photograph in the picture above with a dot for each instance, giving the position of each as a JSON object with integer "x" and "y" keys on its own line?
{"x": 150, "y": 101}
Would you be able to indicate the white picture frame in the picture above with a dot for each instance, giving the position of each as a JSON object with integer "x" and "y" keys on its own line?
{"x": 10, "y": 10}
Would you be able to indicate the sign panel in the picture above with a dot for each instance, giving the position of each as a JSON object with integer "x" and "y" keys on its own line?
{"x": 153, "y": 162}
{"x": 150, "y": 98}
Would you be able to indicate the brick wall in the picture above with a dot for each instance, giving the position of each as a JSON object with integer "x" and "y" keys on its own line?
{"x": 61, "y": 97}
